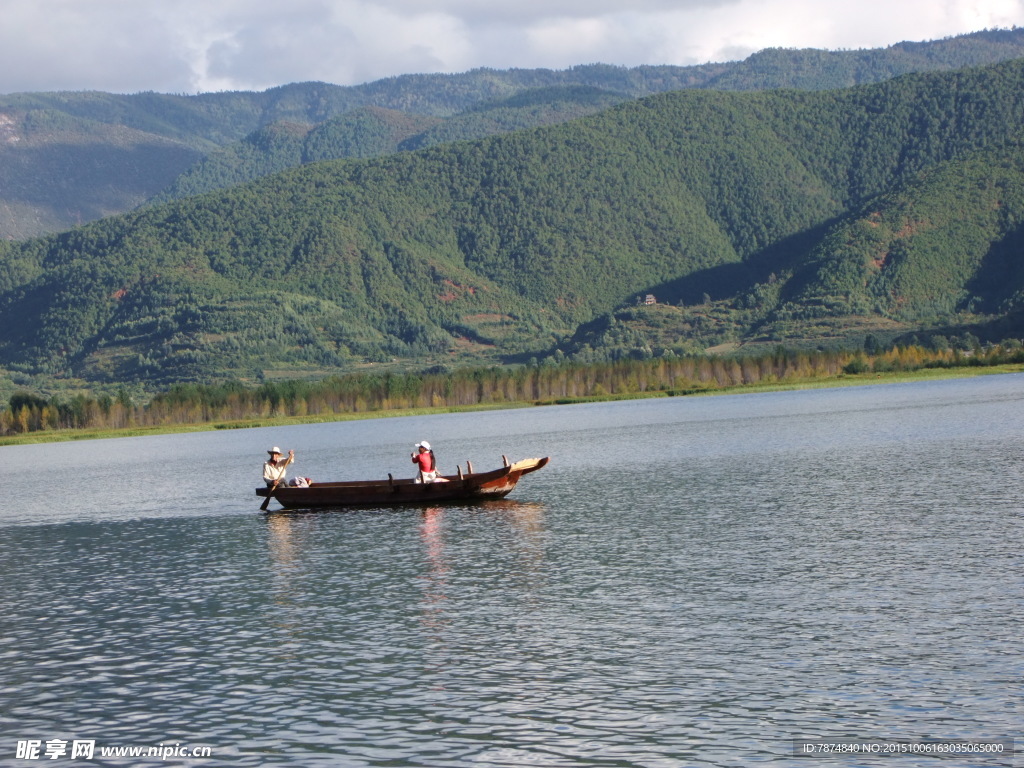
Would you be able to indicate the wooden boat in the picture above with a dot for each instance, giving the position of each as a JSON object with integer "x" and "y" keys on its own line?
{"x": 468, "y": 486}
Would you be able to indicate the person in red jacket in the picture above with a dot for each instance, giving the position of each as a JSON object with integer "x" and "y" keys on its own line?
{"x": 424, "y": 457}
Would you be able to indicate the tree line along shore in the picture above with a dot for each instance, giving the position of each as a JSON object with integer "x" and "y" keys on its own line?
{"x": 29, "y": 417}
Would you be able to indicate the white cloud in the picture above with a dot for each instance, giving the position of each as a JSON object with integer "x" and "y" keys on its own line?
{"x": 203, "y": 45}
{"x": 61, "y": 44}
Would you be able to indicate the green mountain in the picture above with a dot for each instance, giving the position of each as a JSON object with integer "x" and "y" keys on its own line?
{"x": 752, "y": 217}
{"x": 69, "y": 158}
{"x": 57, "y": 172}
{"x": 373, "y": 131}
{"x": 941, "y": 254}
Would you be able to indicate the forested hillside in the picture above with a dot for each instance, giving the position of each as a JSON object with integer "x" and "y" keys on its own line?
{"x": 69, "y": 158}
{"x": 57, "y": 172}
{"x": 753, "y": 217}
{"x": 372, "y": 131}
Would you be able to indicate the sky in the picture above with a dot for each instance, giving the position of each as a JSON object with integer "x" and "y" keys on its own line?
{"x": 193, "y": 46}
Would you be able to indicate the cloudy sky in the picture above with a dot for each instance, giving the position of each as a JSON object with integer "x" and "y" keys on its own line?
{"x": 190, "y": 46}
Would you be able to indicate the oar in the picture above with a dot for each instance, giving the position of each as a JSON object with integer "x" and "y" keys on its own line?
{"x": 270, "y": 495}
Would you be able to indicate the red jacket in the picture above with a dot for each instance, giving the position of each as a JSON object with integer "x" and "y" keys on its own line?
{"x": 425, "y": 460}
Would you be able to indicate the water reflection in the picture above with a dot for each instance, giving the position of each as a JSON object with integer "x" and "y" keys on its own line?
{"x": 522, "y": 558}
{"x": 527, "y": 546}
{"x": 281, "y": 541}
{"x": 434, "y": 581}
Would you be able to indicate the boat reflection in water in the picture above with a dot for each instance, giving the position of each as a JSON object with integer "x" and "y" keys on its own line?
{"x": 454, "y": 578}
{"x": 300, "y": 544}
{"x": 435, "y": 581}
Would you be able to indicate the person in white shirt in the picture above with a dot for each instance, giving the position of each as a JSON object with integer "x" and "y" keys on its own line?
{"x": 275, "y": 467}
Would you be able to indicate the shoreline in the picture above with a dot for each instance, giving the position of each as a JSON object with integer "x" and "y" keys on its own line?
{"x": 841, "y": 380}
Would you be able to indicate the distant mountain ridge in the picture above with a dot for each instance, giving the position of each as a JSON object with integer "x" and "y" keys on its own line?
{"x": 373, "y": 131}
{"x": 798, "y": 217}
{"x": 72, "y": 157}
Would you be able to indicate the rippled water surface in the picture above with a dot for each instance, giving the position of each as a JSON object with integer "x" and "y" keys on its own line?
{"x": 691, "y": 581}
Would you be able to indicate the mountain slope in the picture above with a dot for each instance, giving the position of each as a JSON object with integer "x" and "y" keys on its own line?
{"x": 503, "y": 246}
{"x": 949, "y": 241}
{"x": 55, "y": 172}
{"x": 69, "y": 176}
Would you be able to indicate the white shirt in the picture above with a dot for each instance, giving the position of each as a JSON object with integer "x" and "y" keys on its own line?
{"x": 272, "y": 471}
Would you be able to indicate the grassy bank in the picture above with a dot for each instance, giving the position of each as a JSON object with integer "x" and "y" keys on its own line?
{"x": 840, "y": 380}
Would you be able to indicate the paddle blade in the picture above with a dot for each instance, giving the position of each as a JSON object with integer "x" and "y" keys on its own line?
{"x": 266, "y": 501}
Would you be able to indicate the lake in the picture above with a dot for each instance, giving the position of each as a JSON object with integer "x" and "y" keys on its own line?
{"x": 699, "y": 581}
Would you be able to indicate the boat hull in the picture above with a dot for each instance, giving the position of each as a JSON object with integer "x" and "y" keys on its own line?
{"x": 479, "y": 486}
